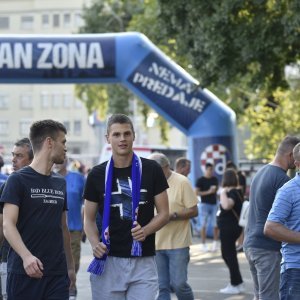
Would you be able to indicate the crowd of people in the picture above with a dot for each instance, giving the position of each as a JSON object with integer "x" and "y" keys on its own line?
{"x": 136, "y": 213}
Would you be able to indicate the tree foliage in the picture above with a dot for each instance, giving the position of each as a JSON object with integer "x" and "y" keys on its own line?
{"x": 270, "y": 124}
{"x": 226, "y": 40}
{"x": 239, "y": 49}
{"x": 116, "y": 16}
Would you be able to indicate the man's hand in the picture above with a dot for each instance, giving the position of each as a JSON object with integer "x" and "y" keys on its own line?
{"x": 138, "y": 232}
{"x": 99, "y": 250}
{"x": 33, "y": 266}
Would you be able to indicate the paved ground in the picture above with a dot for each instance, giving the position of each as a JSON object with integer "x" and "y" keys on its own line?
{"x": 207, "y": 274}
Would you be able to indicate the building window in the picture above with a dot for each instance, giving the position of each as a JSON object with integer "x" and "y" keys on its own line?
{"x": 78, "y": 103}
{"x": 67, "y": 100}
{"x": 67, "y": 20}
{"x": 4, "y": 99}
{"x": 78, "y": 20}
{"x": 45, "y": 100}
{"x": 77, "y": 127}
{"x": 56, "y": 100}
{"x": 45, "y": 21}
{"x": 4, "y": 127}
{"x": 24, "y": 127}
{"x": 26, "y": 101}
{"x": 4, "y": 22}
{"x": 27, "y": 22}
{"x": 56, "y": 20}
{"x": 68, "y": 126}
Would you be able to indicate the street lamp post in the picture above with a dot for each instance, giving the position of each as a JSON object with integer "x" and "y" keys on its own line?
{"x": 108, "y": 10}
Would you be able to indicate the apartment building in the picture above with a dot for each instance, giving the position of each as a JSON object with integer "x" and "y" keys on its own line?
{"x": 21, "y": 104}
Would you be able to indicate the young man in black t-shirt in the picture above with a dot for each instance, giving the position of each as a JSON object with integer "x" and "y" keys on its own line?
{"x": 206, "y": 188}
{"x": 125, "y": 276}
{"x": 40, "y": 263}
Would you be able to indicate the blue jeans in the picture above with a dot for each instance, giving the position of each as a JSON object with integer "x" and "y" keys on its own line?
{"x": 265, "y": 270}
{"x": 289, "y": 284}
{"x": 208, "y": 214}
{"x": 172, "y": 268}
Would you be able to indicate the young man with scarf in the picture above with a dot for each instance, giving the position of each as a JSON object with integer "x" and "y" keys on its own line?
{"x": 125, "y": 190}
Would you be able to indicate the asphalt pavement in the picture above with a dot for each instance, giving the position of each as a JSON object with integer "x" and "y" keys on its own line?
{"x": 207, "y": 275}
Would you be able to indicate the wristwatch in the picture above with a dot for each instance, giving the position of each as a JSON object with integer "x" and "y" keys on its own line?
{"x": 175, "y": 216}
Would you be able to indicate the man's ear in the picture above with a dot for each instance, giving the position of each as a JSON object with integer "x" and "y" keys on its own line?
{"x": 48, "y": 141}
{"x": 107, "y": 139}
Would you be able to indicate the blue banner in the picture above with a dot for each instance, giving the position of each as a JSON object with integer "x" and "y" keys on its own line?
{"x": 43, "y": 58}
{"x": 178, "y": 96}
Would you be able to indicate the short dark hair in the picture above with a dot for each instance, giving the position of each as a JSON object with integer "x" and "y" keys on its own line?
{"x": 40, "y": 130}
{"x": 287, "y": 145}
{"x": 119, "y": 118}
{"x": 230, "y": 178}
{"x": 181, "y": 162}
{"x": 25, "y": 142}
{"x": 208, "y": 165}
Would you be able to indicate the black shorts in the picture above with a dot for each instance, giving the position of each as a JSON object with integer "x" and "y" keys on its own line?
{"x": 20, "y": 287}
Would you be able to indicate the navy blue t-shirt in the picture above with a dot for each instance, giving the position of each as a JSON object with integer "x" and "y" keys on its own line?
{"x": 41, "y": 200}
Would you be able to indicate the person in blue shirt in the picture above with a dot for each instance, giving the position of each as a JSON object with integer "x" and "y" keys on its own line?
{"x": 283, "y": 224}
{"x": 75, "y": 184}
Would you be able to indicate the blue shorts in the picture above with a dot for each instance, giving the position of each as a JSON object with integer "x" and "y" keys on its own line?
{"x": 20, "y": 287}
{"x": 208, "y": 213}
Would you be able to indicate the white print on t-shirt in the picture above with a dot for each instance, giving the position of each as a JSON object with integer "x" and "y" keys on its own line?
{"x": 122, "y": 198}
{"x": 48, "y": 195}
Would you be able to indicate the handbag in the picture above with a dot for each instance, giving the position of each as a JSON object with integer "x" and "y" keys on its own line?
{"x": 243, "y": 220}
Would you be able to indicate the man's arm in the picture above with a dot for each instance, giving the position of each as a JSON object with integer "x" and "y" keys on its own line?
{"x": 91, "y": 230}
{"x": 68, "y": 250}
{"x": 32, "y": 265}
{"x": 160, "y": 219}
{"x": 280, "y": 233}
{"x": 184, "y": 214}
{"x": 211, "y": 190}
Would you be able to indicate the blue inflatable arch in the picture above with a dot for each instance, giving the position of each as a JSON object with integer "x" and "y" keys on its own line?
{"x": 130, "y": 59}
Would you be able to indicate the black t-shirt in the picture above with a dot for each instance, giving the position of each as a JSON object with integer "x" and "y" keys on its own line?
{"x": 153, "y": 183}
{"x": 204, "y": 184}
{"x": 227, "y": 218}
{"x": 41, "y": 200}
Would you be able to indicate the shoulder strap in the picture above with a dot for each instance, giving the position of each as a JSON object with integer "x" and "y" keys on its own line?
{"x": 235, "y": 214}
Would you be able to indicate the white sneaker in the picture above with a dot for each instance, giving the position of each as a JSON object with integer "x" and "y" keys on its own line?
{"x": 214, "y": 246}
{"x": 230, "y": 289}
{"x": 203, "y": 248}
{"x": 241, "y": 287}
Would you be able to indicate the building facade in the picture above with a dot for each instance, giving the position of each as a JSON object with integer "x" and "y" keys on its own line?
{"x": 22, "y": 104}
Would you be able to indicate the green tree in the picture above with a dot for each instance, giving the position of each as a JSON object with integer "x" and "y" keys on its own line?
{"x": 239, "y": 49}
{"x": 116, "y": 16}
{"x": 270, "y": 124}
